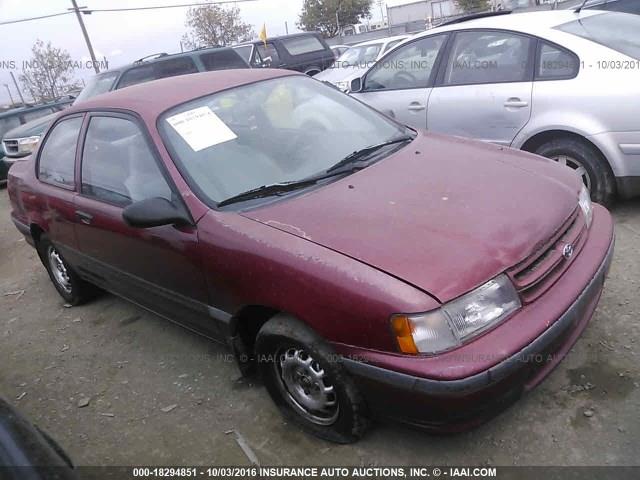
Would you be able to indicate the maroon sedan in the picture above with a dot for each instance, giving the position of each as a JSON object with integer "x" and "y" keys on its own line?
{"x": 364, "y": 268}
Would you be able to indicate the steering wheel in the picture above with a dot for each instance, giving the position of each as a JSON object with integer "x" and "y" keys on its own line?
{"x": 404, "y": 80}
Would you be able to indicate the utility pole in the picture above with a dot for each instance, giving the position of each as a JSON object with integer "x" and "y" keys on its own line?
{"x": 9, "y": 91}
{"x": 17, "y": 88}
{"x": 86, "y": 35}
{"x": 286, "y": 27}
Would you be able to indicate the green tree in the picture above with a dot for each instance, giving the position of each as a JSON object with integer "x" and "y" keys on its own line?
{"x": 473, "y": 5}
{"x": 212, "y": 25}
{"x": 325, "y": 15}
{"x": 49, "y": 72}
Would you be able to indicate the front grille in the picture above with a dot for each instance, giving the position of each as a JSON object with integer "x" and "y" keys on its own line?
{"x": 10, "y": 147}
{"x": 536, "y": 274}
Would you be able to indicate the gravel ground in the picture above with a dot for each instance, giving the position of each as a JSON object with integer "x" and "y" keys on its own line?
{"x": 116, "y": 385}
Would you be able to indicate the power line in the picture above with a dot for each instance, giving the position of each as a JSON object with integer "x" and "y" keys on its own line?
{"x": 8, "y": 22}
{"x": 89, "y": 11}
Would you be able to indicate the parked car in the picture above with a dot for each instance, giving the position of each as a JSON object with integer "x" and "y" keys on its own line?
{"x": 28, "y": 452}
{"x": 338, "y": 50}
{"x": 21, "y": 141}
{"x": 302, "y": 52}
{"x": 357, "y": 60}
{"x": 533, "y": 81}
{"x": 624, "y": 6}
{"x": 15, "y": 117}
{"x": 365, "y": 268}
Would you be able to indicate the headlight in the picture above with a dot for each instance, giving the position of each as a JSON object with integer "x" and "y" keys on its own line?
{"x": 344, "y": 86}
{"x": 28, "y": 144}
{"x": 585, "y": 204}
{"x": 457, "y": 321}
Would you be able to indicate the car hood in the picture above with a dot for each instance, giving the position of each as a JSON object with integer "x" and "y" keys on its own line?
{"x": 443, "y": 214}
{"x": 339, "y": 74}
{"x": 34, "y": 127}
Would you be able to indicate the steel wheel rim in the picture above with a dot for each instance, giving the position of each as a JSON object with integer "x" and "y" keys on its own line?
{"x": 576, "y": 165}
{"x": 306, "y": 387}
{"x": 58, "y": 270}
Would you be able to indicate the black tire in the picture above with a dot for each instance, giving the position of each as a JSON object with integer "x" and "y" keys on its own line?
{"x": 313, "y": 71}
{"x": 73, "y": 290}
{"x": 579, "y": 153}
{"x": 276, "y": 340}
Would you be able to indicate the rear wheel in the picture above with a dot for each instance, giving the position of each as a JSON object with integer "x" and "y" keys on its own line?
{"x": 587, "y": 162}
{"x": 69, "y": 285}
{"x": 307, "y": 382}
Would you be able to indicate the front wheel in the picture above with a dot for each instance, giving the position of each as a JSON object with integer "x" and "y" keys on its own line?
{"x": 307, "y": 382}
{"x": 587, "y": 162}
{"x": 69, "y": 285}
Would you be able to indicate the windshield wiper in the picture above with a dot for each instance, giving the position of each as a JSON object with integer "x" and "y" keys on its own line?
{"x": 363, "y": 154}
{"x": 267, "y": 191}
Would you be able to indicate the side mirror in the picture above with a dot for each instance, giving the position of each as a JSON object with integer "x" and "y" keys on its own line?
{"x": 356, "y": 85}
{"x": 155, "y": 212}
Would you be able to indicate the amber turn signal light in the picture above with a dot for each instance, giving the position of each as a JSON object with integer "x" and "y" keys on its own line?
{"x": 402, "y": 330}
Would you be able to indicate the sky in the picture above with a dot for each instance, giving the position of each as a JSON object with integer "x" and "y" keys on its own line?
{"x": 120, "y": 36}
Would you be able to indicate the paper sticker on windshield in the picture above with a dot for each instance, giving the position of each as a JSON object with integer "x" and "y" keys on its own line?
{"x": 201, "y": 128}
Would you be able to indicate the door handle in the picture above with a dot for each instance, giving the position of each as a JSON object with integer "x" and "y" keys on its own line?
{"x": 84, "y": 217}
{"x": 417, "y": 107}
{"x": 515, "y": 103}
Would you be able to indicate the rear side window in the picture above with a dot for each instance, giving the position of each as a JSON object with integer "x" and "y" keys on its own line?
{"x": 555, "y": 63}
{"x": 117, "y": 164}
{"x": 488, "y": 57}
{"x": 157, "y": 70}
{"x": 618, "y": 31}
{"x": 245, "y": 52}
{"x": 302, "y": 45}
{"x": 222, "y": 60}
{"x": 56, "y": 164}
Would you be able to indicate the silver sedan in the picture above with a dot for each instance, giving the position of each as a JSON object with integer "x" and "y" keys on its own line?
{"x": 561, "y": 84}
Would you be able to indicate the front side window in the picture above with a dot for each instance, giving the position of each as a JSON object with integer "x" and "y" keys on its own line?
{"x": 117, "y": 164}
{"x": 96, "y": 85}
{"x": 555, "y": 63}
{"x": 56, "y": 164}
{"x": 410, "y": 66}
{"x": 275, "y": 131}
{"x": 245, "y": 52}
{"x": 618, "y": 31}
{"x": 303, "y": 44}
{"x": 269, "y": 53}
{"x": 488, "y": 57}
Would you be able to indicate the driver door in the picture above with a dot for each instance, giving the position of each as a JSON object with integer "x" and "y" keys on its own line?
{"x": 158, "y": 268}
{"x": 399, "y": 85}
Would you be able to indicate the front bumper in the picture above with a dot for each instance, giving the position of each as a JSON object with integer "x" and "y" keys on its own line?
{"x": 457, "y": 404}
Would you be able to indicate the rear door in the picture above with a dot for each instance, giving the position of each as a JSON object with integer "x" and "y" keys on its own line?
{"x": 159, "y": 267}
{"x": 484, "y": 89}
{"x": 400, "y": 83}
{"x": 56, "y": 172}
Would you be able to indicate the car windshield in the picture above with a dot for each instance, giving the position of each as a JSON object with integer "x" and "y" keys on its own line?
{"x": 618, "y": 31}
{"x": 271, "y": 132}
{"x": 361, "y": 55}
{"x": 97, "y": 85}
{"x": 7, "y": 124}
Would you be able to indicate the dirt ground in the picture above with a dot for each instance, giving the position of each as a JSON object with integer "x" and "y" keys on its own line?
{"x": 160, "y": 395}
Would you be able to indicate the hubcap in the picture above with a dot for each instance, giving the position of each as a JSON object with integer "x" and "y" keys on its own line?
{"x": 571, "y": 162}
{"x": 59, "y": 271}
{"x": 306, "y": 387}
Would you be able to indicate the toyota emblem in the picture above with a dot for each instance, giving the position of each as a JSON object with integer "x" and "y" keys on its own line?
{"x": 567, "y": 251}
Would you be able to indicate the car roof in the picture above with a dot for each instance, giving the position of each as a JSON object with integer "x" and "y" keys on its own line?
{"x": 152, "y": 98}
{"x": 526, "y": 22}
{"x": 292, "y": 35}
{"x": 382, "y": 40}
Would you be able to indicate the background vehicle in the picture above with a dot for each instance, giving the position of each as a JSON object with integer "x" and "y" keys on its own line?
{"x": 302, "y": 52}
{"x": 21, "y": 141}
{"x": 339, "y": 50}
{"x": 22, "y": 444}
{"x": 355, "y": 61}
{"x": 15, "y": 117}
{"x": 206, "y": 198}
{"x": 532, "y": 81}
{"x": 624, "y": 6}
